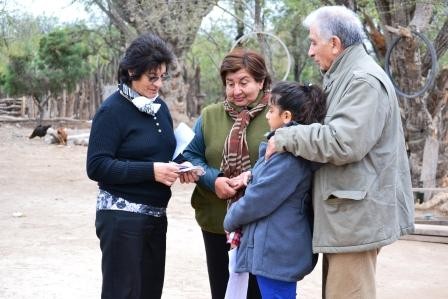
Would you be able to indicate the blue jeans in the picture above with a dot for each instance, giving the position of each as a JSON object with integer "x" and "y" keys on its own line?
{"x": 276, "y": 289}
{"x": 133, "y": 249}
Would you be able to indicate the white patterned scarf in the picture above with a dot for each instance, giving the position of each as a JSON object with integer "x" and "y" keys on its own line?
{"x": 143, "y": 104}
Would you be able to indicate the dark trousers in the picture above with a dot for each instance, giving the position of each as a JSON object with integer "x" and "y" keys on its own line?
{"x": 133, "y": 254}
{"x": 216, "y": 250}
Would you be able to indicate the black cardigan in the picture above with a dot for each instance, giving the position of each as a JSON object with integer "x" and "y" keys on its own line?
{"x": 124, "y": 143}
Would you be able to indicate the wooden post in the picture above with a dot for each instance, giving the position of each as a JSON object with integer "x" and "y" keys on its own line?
{"x": 429, "y": 165}
{"x": 64, "y": 103}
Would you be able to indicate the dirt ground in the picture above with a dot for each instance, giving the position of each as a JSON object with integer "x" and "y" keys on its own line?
{"x": 48, "y": 246}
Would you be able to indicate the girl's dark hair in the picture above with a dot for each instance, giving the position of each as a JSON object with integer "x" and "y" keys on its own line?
{"x": 146, "y": 53}
{"x": 249, "y": 60}
{"x": 307, "y": 103}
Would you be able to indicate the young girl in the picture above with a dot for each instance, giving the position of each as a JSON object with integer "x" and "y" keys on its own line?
{"x": 275, "y": 212}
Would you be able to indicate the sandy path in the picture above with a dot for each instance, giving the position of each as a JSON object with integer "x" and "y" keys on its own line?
{"x": 52, "y": 251}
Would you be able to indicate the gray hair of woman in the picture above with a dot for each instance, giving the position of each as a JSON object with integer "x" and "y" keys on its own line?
{"x": 336, "y": 21}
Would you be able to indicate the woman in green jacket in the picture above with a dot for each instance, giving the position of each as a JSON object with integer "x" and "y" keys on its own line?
{"x": 226, "y": 144}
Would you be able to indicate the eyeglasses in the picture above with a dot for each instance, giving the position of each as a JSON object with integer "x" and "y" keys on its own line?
{"x": 154, "y": 79}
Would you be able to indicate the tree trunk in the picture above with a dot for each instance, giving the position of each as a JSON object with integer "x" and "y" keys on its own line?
{"x": 239, "y": 13}
{"x": 194, "y": 106}
{"x": 421, "y": 123}
{"x": 265, "y": 47}
{"x": 177, "y": 22}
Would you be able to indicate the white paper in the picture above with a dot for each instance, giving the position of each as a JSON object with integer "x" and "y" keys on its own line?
{"x": 238, "y": 282}
{"x": 184, "y": 134}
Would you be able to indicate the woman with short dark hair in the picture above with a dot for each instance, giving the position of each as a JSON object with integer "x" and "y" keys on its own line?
{"x": 131, "y": 144}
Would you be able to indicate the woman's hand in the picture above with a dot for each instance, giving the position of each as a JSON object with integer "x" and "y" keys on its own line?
{"x": 224, "y": 188}
{"x": 189, "y": 176}
{"x": 166, "y": 173}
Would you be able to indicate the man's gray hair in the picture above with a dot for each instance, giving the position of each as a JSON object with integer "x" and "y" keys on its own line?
{"x": 336, "y": 21}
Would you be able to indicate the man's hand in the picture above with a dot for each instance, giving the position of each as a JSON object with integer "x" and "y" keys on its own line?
{"x": 224, "y": 188}
{"x": 270, "y": 150}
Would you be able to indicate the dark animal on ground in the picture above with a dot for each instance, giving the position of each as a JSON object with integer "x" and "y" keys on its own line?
{"x": 39, "y": 131}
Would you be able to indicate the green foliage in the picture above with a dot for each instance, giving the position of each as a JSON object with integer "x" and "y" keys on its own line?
{"x": 440, "y": 16}
{"x": 288, "y": 25}
{"x": 19, "y": 40}
{"x": 60, "y": 61}
{"x": 20, "y": 77}
{"x": 20, "y": 36}
{"x": 62, "y": 56}
{"x": 37, "y": 58}
{"x": 282, "y": 18}
{"x": 207, "y": 52}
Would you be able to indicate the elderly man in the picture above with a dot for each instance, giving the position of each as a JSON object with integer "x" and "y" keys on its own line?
{"x": 362, "y": 194}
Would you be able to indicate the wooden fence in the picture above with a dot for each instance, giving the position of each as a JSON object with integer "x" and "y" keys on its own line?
{"x": 80, "y": 104}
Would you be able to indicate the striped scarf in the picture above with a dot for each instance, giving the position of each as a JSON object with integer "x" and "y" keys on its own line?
{"x": 235, "y": 156}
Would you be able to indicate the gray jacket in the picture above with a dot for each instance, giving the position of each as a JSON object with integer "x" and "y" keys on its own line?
{"x": 276, "y": 215}
{"x": 362, "y": 197}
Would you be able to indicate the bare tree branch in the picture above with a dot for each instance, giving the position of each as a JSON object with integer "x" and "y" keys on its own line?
{"x": 239, "y": 11}
{"x": 235, "y": 16}
{"x": 422, "y": 15}
{"x": 115, "y": 18}
{"x": 441, "y": 46}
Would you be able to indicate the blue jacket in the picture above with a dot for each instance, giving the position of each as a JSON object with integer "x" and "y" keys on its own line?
{"x": 276, "y": 215}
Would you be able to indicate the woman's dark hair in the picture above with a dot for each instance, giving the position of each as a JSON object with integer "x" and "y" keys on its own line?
{"x": 307, "y": 103}
{"x": 249, "y": 60}
{"x": 146, "y": 53}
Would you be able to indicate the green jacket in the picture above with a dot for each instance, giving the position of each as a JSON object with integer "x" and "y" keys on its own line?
{"x": 211, "y": 130}
{"x": 362, "y": 196}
